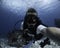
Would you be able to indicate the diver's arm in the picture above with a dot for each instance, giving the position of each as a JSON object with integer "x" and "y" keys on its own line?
{"x": 54, "y": 34}
{"x": 51, "y": 32}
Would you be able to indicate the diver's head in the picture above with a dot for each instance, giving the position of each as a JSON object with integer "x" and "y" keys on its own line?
{"x": 31, "y": 12}
{"x": 31, "y": 17}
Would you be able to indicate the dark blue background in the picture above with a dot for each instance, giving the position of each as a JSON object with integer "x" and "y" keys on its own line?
{"x": 9, "y": 15}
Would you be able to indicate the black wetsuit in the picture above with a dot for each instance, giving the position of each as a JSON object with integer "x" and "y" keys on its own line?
{"x": 33, "y": 29}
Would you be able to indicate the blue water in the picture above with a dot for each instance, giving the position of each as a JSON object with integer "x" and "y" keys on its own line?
{"x": 13, "y": 10}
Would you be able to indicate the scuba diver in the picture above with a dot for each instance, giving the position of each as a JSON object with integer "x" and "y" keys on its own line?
{"x": 31, "y": 21}
{"x": 30, "y": 24}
